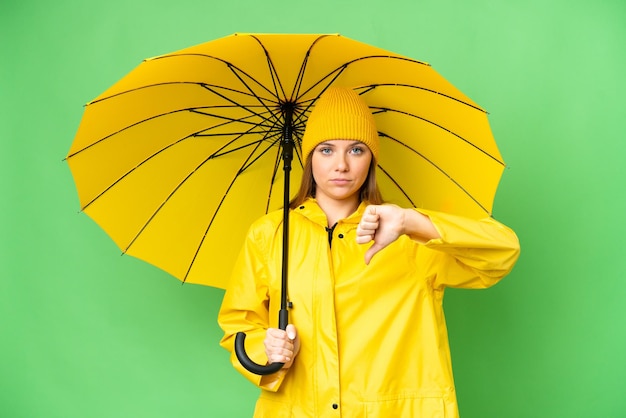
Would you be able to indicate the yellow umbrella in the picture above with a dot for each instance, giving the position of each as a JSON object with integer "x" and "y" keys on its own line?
{"x": 177, "y": 159}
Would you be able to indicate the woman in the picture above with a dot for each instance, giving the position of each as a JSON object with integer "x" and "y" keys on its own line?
{"x": 367, "y": 336}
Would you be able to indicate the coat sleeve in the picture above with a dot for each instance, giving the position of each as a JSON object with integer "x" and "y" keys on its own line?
{"x": 470, "y": 253}
{"x": 245, "y": 308}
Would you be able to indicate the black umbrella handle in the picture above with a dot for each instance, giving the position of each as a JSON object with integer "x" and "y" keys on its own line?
{"x": 247, "y": 362}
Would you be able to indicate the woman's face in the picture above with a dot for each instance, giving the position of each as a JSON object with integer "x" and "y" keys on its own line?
{"x": 340, "y": 168}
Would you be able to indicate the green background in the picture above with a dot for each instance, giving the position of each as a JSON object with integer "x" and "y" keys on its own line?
{"x": 87, "y": 333}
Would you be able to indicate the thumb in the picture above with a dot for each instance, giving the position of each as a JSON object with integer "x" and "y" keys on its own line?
{"x": 291, "y": 332}
{"x": 369, "y": 254}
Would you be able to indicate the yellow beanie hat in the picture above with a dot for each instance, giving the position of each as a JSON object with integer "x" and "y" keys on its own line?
{"x": 340, "y": 113}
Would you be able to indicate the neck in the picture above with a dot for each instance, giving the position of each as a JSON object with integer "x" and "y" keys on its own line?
{"x": 336, "y": 210}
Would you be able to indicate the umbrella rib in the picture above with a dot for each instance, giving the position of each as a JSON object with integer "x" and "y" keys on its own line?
{"x": 216, "y": 155}
{"x": 209, "y": 87}
{"x": 193, "y": 110}
{"x": 303, "y": 66}
{"x": 228, "y": 120}
{"x": 393, "y": 180}
{"x": 272, "y": 69}
{"x": 216, "y": 86}
{"x": 429, "y": 161}
{"x": 233, "y": 68}
{"x": 148, "y": 86}
{"x": 298, "y": 123}
{"x": 263, "y": 116}
{"x": 178, "y": 186}
{"x": 382, "y": 110}
{"x": 230, "y": 65}
{"x": 371, "y": 87}
{"x": 276, "y": 137}
{"x": 300, "y": 77}
{"x": 274, "y": 173}
{"x": 246, "y": 107}
{"x": 219, "y": 206}
{"x": 234, "y": 71}
{"x": 337, "y": 72}
{"x": 179, "y": 141}
{"x": 345, "y": 65}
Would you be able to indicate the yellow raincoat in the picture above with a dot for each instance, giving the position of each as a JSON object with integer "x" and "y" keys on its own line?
{"x": 373, "y": 337}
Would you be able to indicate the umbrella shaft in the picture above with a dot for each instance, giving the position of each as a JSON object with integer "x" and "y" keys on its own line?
{"x": 287, "y": 144}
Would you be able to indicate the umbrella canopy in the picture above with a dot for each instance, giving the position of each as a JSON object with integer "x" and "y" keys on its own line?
{"x": 179, "y": 157}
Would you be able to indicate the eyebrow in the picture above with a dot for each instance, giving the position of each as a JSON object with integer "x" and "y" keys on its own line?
{"x": 328, "y": 144}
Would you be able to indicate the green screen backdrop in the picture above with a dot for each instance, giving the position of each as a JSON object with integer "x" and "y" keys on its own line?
{"x": 85, "y": 332}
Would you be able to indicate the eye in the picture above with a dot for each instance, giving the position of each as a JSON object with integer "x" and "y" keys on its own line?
{"x": 357, "y": 150}
{"x": 325, "y": 150}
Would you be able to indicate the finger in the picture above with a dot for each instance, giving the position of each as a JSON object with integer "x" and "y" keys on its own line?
{"x": 291, "y": 332}
{"x": 280, "y": 334}
{"x": 277, "y": 338}
{"x": 366, "y": 228}
{"x": 282, "y": 351}
{"x": 278, "y": 358}
{"x": 364, "y": 239}
{"x": 360, "y": 231}
{"x": 276, "y": 352}
{"x": 275, "y": 332}
{"x": 370, "y": 210}
{"x": 369, "y": 220}
{"x": 368, "y": 225}
{"x": 281, "y": 343}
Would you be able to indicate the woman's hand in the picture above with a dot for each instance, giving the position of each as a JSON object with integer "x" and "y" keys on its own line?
{"x": 282, "y": 346}
{"x": 383, "y": 224}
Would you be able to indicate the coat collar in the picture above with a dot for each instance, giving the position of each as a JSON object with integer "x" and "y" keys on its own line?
{"x": 312, "y": 211}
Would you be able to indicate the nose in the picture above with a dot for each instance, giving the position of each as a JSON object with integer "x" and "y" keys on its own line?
{"x": 341, "y": 163}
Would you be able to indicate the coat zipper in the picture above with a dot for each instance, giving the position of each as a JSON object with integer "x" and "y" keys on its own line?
{"x": 330, "y": 234}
